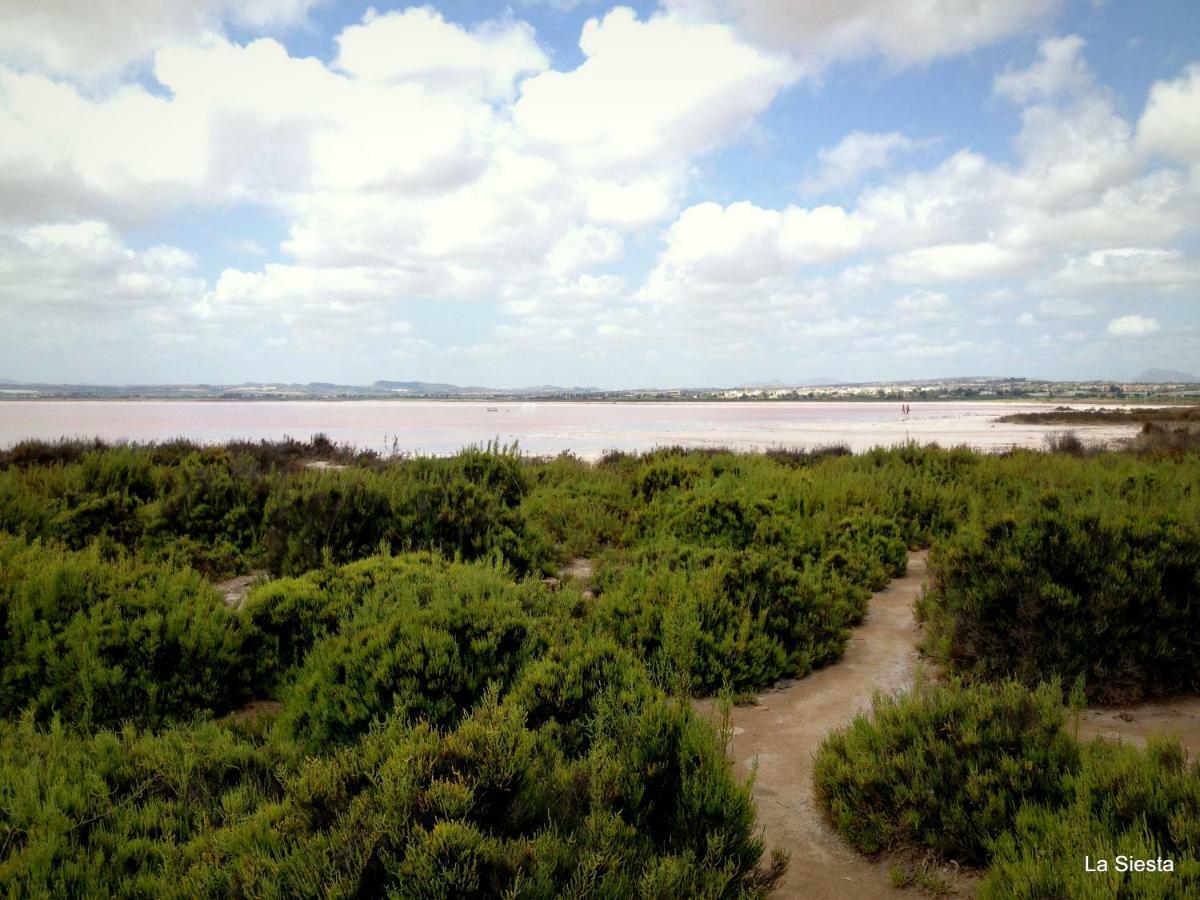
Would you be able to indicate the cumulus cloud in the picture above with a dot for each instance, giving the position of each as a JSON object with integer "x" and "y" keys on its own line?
{"x": 1133, "y": 326}
{"x": 856, "y": 155}
{"x": 85, "y": 268}
{"x": 1126, "y": 268}
{"x": 418, "y": 45}
{"x": 99, "y": 38}
{"x": 433, "y": 163}
{"x": 710, "y": 245}
{"x": 957, "y": 262}
{"x": 925, "y": 306}
{"x": 1060, "y": 69}
{"x": 647, "y": 91}
{"x": 1170, "y": 124}
{"x": 824, "y": 31}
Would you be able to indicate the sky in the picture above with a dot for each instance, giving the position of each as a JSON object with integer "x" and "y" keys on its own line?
{"x": 573, "y": 192}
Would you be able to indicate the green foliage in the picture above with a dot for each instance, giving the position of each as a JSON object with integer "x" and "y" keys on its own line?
{"x": 716, "y": 618}
{"x": 1124, "y": 802}
{"x": 424, "y": 643}
{"x": 1111, "y": 596}
{"x": 465, "y": 506}
{"x": 345, "y": 515}
{"x": 430, "y": 719}
{"x": 646, "y": 806}
{"x": 945, "y": 767}
{"x": 987, "y": 775}
{"x": 100, "y": 640}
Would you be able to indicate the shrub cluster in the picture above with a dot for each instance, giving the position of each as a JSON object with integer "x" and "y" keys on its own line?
{"x": 640, "y": 803}
{"x": 466, "y": 506}
{"x": 431, "y": 718}
{"x": 988, "y": 775}
{"x": 945, "y": 767}
{"x": 1111, "y": 596}
{"x": 101, "y": 640}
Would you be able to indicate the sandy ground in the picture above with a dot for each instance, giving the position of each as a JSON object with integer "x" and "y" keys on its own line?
{"x": 1134, "y": 724}
{"x": 782, "y": 730}
{"x": 234, "y": 590}
{"x": 579, "y": 568}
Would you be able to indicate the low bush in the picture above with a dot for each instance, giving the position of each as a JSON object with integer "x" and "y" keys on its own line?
{"x": 715, "y": 618}
{"x": 647, "y": 806}
{"x": 945, "y": 767}
{"x": 467, "y": 506}
{"x": 100, "y": 640}
{"x": 1111, "y": 596}
{"x": 1142, "y": 805}
{"x": 987, "y": 775}
{"x": 423, "y": 642}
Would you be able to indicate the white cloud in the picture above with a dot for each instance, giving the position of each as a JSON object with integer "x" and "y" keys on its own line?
{"x": 99, "y": 38}
{"x": 584, "y": 247}
{"x": 1059, "y": 70}
{"x": 743, "y": 242}
{"x": 857, "y": 154}
{"x": 436, "y": 164}
{"x": 1133, "y": 326}
{"x": 925, "y": 306}
{"x": 957, "y": 262}
{"x": 824, "y": 31}
{"x": 76, "y": 287}
{"x": 1062, "y": 308}
{"x": 647, "y": 91}
{"x": 1127, "y": 268}
{"x": 419, "y": 46}
{"x": 1170, "y": 124}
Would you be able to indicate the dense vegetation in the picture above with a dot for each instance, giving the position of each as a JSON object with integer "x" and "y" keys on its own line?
{"x": 1065, "y": 415}
{"x": 407, "y": 703}
{"x": 991, "y": 774}
{"x": 1106, "y": 589}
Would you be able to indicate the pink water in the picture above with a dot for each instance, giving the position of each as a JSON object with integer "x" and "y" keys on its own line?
{"x": 587, "y": 429}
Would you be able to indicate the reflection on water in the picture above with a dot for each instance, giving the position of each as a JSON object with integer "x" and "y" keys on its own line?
{"x": 586, "y": 429}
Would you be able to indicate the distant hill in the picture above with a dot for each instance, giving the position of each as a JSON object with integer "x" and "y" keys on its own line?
{"x": 1166, "y": 376}
{"x": 420, "y": 388}
{"x": 776, "y": 384}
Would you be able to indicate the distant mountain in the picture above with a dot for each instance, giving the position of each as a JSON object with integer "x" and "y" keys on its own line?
{"x": 1166, "y": 376}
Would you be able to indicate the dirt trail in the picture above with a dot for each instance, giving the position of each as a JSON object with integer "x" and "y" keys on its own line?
{"x": 1134, "y": 724}
{"x": 234, "y": 590}
{"x": 782, "y": 732}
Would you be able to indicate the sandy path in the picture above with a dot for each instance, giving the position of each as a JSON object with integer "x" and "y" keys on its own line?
{"x": 1134, "y": 724}
{"x": 782, "y": 732}
{"x": 783, "y": 729}
{"x": 234, "y": 590}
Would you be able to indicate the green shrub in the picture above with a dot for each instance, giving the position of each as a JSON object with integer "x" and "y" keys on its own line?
{"x": 490, "y": 808}
{"x": 423, "y": 642}
{"x": 945, "y": 767}
{"x": 101, "y": 640}
{"x": 113, "y": 812}
{"x": 212, "y": 497}
{"x": 465, "y": 506}
{"x": 1112, "y": 597}
{"x": 1144, "y": 805}
{"x": 344, "y": 515}
{"x": 719, "y": 618}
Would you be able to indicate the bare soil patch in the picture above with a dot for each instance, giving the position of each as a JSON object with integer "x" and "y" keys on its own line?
{"x": 1135, "y": 724}
{"x": 781, "y": 733}
{"x": 580, "y": 567}
{"x": 234, "y": 590}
